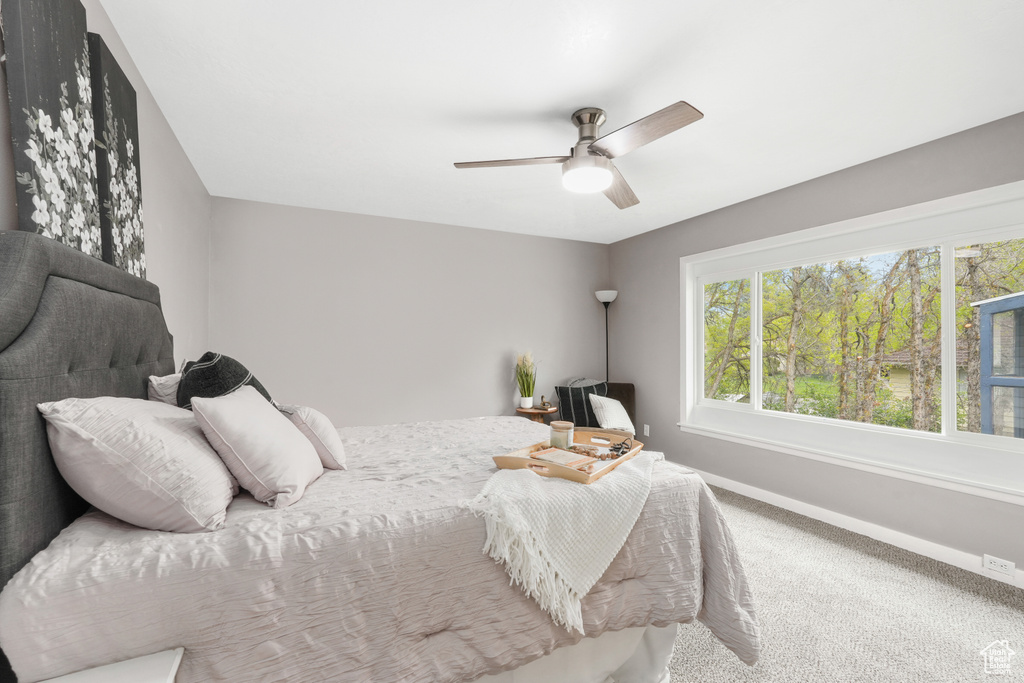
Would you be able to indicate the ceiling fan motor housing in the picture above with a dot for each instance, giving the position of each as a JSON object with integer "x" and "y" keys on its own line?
{"x": 588, "y": 120}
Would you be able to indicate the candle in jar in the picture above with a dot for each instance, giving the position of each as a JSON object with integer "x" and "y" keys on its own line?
{"x": 561, "y": 434}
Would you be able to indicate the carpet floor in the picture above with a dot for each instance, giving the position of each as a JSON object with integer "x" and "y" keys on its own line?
{"x": 837, "y": 606}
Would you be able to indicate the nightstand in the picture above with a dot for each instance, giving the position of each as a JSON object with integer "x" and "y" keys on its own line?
{"x": 537, "y": 414}
{"x": 160, "y": 667}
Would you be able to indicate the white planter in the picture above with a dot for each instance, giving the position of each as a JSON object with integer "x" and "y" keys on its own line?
{"x": 526, "y": 401}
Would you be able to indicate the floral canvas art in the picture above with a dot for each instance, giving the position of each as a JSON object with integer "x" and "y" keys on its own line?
{"x": 117, "y": 161}
{"x": 52, "y": 127}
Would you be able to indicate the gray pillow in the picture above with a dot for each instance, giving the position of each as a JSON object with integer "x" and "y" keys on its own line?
{"x": 214, "y": 375}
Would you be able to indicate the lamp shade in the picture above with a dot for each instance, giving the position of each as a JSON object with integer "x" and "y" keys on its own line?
{"x": 587, "y": 173}
{"x": 606, "y": 296}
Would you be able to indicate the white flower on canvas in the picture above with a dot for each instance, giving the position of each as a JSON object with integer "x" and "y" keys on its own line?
{"x": 41, "y": 215}
{"x": 124, "y": 207}
{"x": 61, "y": 180}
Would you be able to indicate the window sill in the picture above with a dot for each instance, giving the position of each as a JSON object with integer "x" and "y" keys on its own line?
{"x": 930, "y": 459}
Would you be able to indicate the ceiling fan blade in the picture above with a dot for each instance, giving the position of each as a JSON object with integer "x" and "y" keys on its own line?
{"x": 511, "y": 162}
{"x": 620, "y": 192}
{"x": 647, "y": 129}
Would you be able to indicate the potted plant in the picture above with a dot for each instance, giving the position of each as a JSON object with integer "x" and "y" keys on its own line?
{"x": 526, "y": 378}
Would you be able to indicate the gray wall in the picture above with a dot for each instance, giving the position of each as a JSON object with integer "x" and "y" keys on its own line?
{"x": 376, "y": 320}
{"x": 176, "y": 205}
{"x": 645, "y": 330}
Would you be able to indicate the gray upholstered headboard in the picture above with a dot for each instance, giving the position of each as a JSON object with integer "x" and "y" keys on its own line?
{"x": 70, "y": 325}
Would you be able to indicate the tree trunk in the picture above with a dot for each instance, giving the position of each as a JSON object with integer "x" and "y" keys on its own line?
{"x": 873, "y": 364}
{"x": 933, "y": 380}
{"x": 972, "y": 339}
{"x": 918, "y": 381}
{"x": 845, "y": 352}
{"x": 799, "y": 277}
{"x": 730, "y": 343}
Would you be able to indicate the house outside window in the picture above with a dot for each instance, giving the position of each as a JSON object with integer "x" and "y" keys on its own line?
{"x": 1002, "y": 365}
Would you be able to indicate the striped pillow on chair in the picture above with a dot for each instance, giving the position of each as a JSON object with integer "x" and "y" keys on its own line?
{"x": 574, "y": 401}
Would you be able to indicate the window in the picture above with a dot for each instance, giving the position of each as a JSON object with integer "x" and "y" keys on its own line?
{"x": 862, "y": 342}
{"x": 855, "y": 339}
{"x": 727, "y": 340}
{"x": 985, "y": 271}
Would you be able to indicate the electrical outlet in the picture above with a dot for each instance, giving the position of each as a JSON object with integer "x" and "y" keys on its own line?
{"x": 647, "y": 430}
{"x": 997, "y": 565}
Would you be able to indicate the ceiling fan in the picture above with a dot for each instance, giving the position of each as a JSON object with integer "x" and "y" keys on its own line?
{"x": 589, "y": 168}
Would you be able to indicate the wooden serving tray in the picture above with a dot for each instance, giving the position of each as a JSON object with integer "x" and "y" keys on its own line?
{"x": 586, "y": 436}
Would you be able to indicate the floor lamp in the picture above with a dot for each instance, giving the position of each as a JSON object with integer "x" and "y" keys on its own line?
{"x": 606, "y": 296}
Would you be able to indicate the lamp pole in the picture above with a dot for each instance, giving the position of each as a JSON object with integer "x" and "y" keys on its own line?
{"x": 606, "y": 374}
{"x": 606, "y": 296}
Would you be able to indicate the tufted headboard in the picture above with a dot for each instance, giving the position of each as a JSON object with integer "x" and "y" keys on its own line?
{"x": 70, "y": 325}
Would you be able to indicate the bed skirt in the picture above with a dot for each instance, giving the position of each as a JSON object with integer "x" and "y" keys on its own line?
{"x": 632, "y": 655}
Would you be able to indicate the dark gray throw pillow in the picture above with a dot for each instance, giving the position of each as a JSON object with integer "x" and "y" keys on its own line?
{"x": 213, "y": 375}
{"x": 574, "y": 403}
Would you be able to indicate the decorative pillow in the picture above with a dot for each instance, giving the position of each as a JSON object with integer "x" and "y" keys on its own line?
{"x": 213, "y": 375}
{"x": 164, "y": 389}
{"x": 582, "y": 382}
{"x": 316, "y": 427}
{"x": 574, "y": 406}
{"x": 269, "y": 457}
{"x": 610, "y": 414}
{"x": 144, "y": 462}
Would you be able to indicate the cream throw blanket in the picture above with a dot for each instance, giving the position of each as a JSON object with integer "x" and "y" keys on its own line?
{"x": 557, "y": 537}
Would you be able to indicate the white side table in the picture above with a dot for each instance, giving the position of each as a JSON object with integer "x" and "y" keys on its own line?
{"x": 160, "y": 667}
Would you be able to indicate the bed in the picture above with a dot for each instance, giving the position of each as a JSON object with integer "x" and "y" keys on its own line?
{"x": 376, "y": 574}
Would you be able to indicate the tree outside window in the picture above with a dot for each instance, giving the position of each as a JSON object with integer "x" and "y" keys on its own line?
{"x": 727, "y": 341}
{"x": 855, "y": 339}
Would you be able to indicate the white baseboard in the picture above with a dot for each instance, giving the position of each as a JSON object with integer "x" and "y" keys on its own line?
{"x": 957, "y": 558}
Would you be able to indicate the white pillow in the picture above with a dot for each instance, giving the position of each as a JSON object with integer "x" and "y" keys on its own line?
{"x": 316, "y": 427}
{"x": 164, "y": 389}
{"x": 144, "y": 462}
{"x": 610, "y": 414}
{"x": 269, "y": 457}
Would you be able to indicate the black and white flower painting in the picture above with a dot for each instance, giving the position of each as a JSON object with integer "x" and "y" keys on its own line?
{"x": 49, "y": 84}
{"x": 117, "y": 156}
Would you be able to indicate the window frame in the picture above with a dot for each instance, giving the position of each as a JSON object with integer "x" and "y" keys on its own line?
{"x": 982, "y": 464}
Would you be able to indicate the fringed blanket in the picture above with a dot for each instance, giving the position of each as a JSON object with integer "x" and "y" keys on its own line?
{"x": 557, "y": 537}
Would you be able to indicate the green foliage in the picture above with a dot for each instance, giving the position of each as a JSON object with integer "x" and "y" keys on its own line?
{"x": 526, "y": 374}
{"x": 837, "y": 329}
{"x": 727, "y": 339}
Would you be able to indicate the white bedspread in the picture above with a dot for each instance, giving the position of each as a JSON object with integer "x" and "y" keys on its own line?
{"x": 376, "y": 574}
{"x": 556, "y": 537}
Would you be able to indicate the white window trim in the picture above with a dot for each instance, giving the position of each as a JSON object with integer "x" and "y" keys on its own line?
{"x": 985, "y": 465}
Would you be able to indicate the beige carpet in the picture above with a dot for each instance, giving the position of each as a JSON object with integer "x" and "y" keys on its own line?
{"x": 837, "y": 606}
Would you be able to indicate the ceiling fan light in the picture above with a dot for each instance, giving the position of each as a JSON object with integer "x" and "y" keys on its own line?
{"x": 587, "y": 174}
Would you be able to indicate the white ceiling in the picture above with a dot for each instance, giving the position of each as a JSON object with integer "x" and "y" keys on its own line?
{"x": 364, "y": 106}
